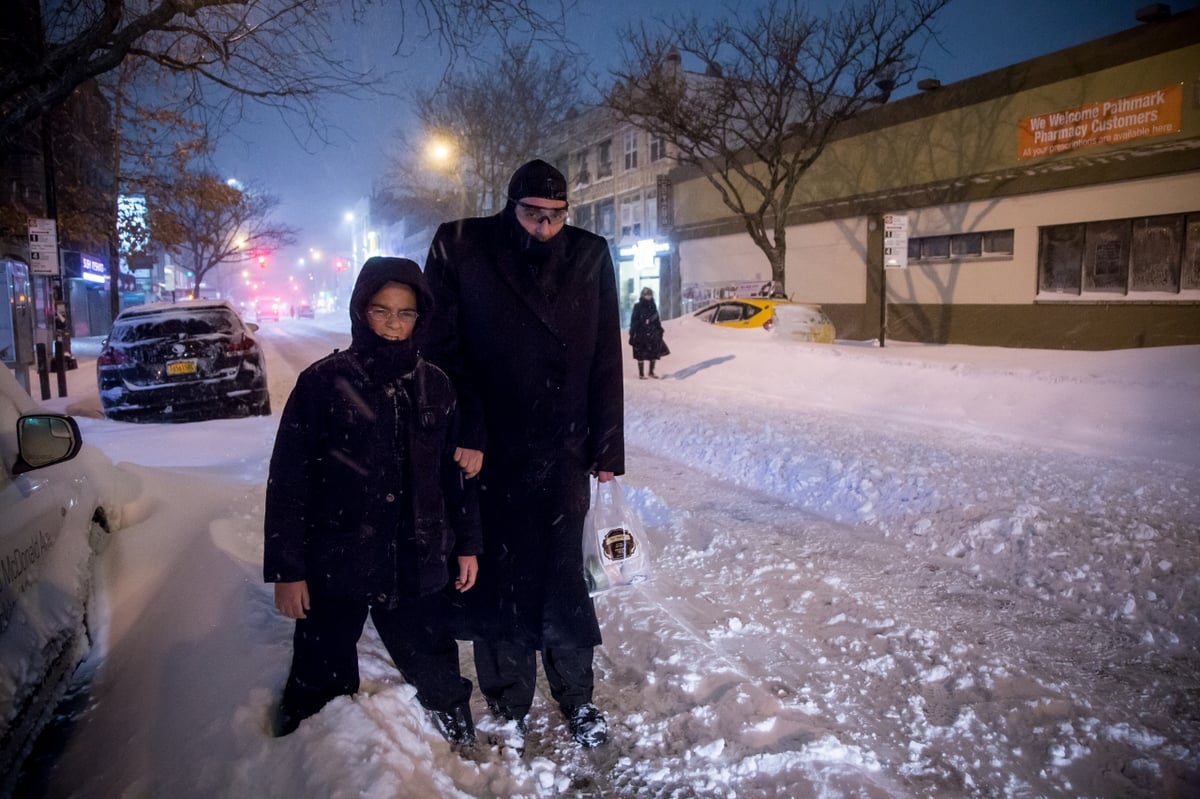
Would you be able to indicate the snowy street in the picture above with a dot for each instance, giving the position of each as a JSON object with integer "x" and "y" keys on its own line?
{"x": 901, "y": 572}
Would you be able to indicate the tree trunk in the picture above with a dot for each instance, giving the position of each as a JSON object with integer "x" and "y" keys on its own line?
{"x": 776, "y": 257}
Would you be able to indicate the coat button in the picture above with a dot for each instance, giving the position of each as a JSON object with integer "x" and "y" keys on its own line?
{"x": 390, "y": 498}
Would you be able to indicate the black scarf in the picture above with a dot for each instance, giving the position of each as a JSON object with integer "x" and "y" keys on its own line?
{"x": 545, "y": 259}
{"x": 386, "y": 361}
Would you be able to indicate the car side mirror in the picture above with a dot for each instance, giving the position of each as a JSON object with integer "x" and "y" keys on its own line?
{"x": 44, "y": 439}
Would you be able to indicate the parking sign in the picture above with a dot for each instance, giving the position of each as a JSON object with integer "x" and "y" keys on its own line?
{"x": 895, "y": 241}
{"x": 43, "y": 247}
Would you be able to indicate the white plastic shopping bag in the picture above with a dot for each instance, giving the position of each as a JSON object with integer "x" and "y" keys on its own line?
{"x": 615, "y": 550}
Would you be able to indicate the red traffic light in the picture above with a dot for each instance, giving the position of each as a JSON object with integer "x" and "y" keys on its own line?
{"x": 262, "y": 262}
{"x": 339, "y": 265}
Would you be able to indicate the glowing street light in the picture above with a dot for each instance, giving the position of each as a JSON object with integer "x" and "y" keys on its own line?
{"x": 440, "y": 152}
{"x": 442, "y": 157}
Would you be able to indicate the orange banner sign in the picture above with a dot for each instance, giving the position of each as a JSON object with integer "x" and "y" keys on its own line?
{"x": 1138, "y": 116}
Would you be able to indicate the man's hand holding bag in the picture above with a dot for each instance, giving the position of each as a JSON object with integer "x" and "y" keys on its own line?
{"x": 615, "y": 550}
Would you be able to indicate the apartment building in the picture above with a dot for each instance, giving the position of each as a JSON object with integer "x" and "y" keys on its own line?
{"x": 619, "y": 189}
{"x": 1054, "y": 203}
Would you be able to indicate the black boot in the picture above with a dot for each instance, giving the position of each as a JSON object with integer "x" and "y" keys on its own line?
{"x": 455, "y": 725}
{"x": 506, "y": 715}
{"x": 298, "y": 702}
{"x": 284, "y": 721}
{"x": 588, "y": 726}
{"x": 642, "y": 372}
{"x": 652, "y": 371}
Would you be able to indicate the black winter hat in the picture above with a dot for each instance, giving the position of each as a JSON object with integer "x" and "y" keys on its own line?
{"x": 537, "y": 179}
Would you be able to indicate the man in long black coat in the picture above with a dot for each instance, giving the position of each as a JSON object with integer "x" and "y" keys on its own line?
{"x": 526, "y": 324}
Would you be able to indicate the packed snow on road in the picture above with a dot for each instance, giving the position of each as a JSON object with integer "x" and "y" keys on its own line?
{"x": 909, "y": 571}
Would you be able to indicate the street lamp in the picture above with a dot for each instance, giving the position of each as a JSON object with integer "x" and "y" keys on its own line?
{"x": 442, "y": 157}
{"x": 440, "y": 152}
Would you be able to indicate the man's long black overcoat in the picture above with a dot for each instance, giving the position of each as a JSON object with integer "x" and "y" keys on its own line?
{"x": 540, "y": 393}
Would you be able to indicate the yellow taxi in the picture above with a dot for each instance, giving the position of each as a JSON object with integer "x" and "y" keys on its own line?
{"x": 795, "y": 320}
{"x": 739, "y": 312}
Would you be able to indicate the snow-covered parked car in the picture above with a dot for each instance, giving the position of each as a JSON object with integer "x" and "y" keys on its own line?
{"x": 177, "y": 362}
{"x": 794, "y": 320}
{"x": 803, "y": 322}
{"x": 52, "y": 525}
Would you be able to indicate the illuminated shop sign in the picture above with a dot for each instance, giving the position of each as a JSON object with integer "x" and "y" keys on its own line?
{"x": 92, "y": 270}
{"x": 1124, "y": 119}
{"x": 645, "y": 249}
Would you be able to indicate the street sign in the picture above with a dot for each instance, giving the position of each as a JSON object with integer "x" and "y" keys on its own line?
{"x": 664, "y": 195}
{"x": 895, "y": 241}
{"x": 43, "y": 247}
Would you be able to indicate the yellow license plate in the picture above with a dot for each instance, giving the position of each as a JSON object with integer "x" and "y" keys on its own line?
{"x": 181, "y": 368}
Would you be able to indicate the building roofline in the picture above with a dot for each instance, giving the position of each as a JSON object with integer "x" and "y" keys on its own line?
{"x": 1133, "y": 44}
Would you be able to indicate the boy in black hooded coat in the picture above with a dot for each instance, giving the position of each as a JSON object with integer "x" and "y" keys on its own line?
{"x": 365, "y": 508}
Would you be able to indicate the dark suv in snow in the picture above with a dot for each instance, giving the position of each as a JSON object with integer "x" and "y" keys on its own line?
{"x": 182, "y": 362}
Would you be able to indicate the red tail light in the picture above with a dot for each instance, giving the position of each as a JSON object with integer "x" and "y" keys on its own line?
{"x": 111, "y": 357}
{"x": 243, "y": 344}
{"x": 770, "y": 323}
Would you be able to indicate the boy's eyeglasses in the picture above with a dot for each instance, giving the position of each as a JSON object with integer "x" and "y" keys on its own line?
{"x": 384, "y": 315}
{"x": 536, "y": 215}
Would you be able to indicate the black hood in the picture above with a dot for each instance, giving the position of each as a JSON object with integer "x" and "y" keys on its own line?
{"x": 375, "y": 274}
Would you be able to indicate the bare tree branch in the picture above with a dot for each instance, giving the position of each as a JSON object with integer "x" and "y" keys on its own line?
{"x": 209, "y": 223}
{"x": 461, "y": 26}
{"x": 278, "y": 52}
{"x": 777, "y": 83}
{"x": 492, "y": 118}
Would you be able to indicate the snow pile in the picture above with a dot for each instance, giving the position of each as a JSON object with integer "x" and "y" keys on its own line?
{"x": 1011, "y": 501}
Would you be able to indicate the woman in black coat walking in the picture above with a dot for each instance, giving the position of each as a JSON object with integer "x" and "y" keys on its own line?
{"x": 646, "y": 334}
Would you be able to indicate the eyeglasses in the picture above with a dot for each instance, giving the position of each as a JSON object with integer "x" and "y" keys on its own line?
{"x": 536, "y": 215}
{"x": 384, "y": 315}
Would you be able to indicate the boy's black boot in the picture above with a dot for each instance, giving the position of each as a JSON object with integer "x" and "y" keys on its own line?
{"x": 506, "y": 715}
{"x": 283, "y": 721}
{"x": 456, "y": 724}
{"x": 589, "y": 728}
